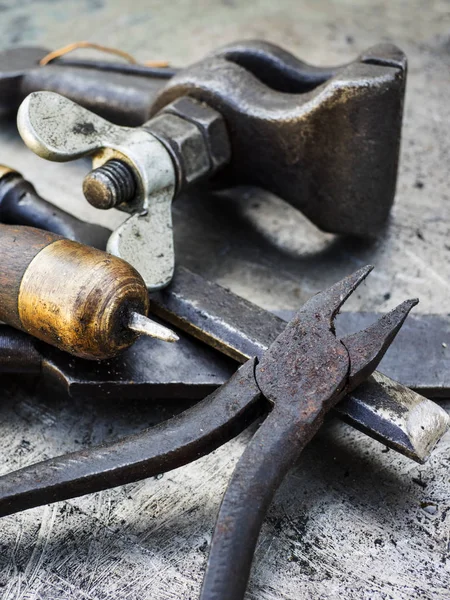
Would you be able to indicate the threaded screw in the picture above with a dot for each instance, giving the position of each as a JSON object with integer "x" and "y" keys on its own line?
{"x": 111, "y": 184}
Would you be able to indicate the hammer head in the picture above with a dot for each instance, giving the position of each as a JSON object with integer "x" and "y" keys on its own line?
{"x": 325, "y": 140}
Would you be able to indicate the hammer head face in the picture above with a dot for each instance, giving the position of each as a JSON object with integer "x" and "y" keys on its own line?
{"x": 327, "y": 142}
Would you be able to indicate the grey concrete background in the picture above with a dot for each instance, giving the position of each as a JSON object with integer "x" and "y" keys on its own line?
{"x": 351, "y": 520}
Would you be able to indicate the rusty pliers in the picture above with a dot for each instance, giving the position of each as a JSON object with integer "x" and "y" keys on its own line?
{"x": 301, "y": 376}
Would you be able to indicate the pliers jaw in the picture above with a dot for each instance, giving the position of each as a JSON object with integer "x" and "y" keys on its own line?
{"x": 307, "y": 360}
{"x": 366, "y": 348}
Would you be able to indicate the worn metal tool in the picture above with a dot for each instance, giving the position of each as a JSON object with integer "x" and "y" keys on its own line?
{"x": 300, "y": 377}
{"x": 75, "y": 297}
{"x": 120, "y": 92}
{"x": 384, "y": 409}
{"x": 325, "y": 140}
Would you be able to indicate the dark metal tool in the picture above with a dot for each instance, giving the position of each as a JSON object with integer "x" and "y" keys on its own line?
{"x": 325, "y": 140}
{"x": 383, "y": 408}
{"x": 120, "y": 92}
{"x": 299, "y": 378}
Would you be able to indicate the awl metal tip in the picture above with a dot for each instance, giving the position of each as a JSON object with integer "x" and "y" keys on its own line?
{"x": 144, "y": 325}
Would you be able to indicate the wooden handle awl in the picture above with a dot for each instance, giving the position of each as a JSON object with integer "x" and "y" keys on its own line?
{"x": 72, "y": 296}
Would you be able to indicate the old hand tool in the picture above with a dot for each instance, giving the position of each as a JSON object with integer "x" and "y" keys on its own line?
{"x": 120, "y": 92}
{"x": 384, "y": 409}
{"x": 300, "y": 377}
{"x": 325, "y": 140}
{"x": 75, "y": 297}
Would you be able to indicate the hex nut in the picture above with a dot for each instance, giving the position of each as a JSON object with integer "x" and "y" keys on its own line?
{"x": 210, "y": 122}
{"x": 186, "y": 144}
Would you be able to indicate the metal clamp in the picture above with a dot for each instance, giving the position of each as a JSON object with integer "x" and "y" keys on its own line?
{"x": 325, "y": 140}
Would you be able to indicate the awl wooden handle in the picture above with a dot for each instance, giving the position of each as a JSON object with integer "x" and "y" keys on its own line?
{"x": 72, "y": 296}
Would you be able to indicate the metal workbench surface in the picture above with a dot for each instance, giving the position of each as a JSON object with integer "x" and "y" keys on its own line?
{"x": 351, "y": 520}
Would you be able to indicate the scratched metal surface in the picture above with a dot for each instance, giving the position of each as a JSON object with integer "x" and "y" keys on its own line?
{"x": 351, "y": 520}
